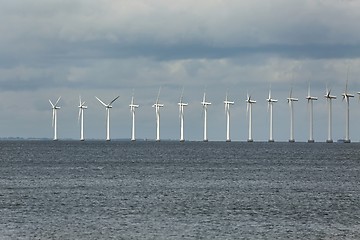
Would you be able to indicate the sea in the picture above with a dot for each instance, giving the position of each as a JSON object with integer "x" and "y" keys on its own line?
{"x": 173, "y": 190}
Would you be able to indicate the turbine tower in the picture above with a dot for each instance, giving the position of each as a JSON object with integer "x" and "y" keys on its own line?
{"x": 55, "y": 107}
{"x": 157, "y": 107}
{"x": 290, "y": 100}
{"x": 310, "y": 107}
{"x": 347, "y": 97}
{"x": 227, "y": 112}
{"x": 329, "y": 99}
{"x": 249, "y": 103}
{"x": 133, "y": 106}
{"x": 82, "y": 107}
{"x": 271, "y": 101}
{"x": 107, "y": 109}
{"x": 181, "y": 116}
{"x": 205, "y": 104}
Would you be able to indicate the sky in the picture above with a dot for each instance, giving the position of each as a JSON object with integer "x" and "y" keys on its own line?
{"x": 109, "y": 48}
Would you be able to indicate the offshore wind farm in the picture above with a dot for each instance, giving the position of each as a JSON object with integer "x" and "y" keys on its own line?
{"x": 205, "y": 119}
{"x": 225, "y": 122}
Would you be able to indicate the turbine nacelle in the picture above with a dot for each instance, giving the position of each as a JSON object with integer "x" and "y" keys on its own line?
{"x": 270, "y": 100}
{"x": 82, "y": 105}
{"x": 249, "y": 100}
{"x": 310, "y": 98}
{"x": 229, "y": 102}
{"x": 328, "y": 95}
{"x": 156, "y": 105}
{"x": 55, "y": 106}
{"x": 107, "y": 106}
{"x": 346, "y": 96}
{"x": 183, "y": 104}
{"x": 291, "y": 99}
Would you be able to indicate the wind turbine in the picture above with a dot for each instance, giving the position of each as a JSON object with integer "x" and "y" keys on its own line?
{"x": 107, "y": 109}
{"x": 205, "y": 104}
{"x": 290, "y": 100}
{"x": 329, "y": 99}
{"x": 347, "y": 97}
{"x": 310, "y": 105}
{"x": 133, "y": 106}
{"x": 181, "y": 116}
{"x": 55, "y": 107}
{"x": 82, "y": 107}
{"x": 249, "y": 103}
{"x": 227, "y": 112}
{"x": 157, "y": 107}
{"x": 271, "y": 101}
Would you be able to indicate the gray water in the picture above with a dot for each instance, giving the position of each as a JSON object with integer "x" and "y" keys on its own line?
{"x": 172, "y": 190}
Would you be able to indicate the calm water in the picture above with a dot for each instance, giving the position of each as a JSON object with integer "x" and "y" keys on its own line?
{"x": 169, "y": 190}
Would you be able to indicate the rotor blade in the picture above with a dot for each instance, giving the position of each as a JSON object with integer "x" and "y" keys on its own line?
{"x": 51, "y": 103}
{"x": 105, "y": 105}
{"x": 53, "y": 117}
{"x": 327, "y": 90}
{"x": 57, "y": 101}
{"x": 204, "y": 97}
{"x": 158, "y": 96}
{"x": 307, "y": 105}
{"x": 114, "y": 100}
{"x": 79, "y": 100}
{"x": 79, "y": 115}
{"x": 347, "y": 80}
{"x": 268, "y": 106}
{"x": 182, "y": 94}
{"x": 309, "y": 90}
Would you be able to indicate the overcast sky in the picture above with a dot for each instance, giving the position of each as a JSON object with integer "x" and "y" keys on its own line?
{"x": 107, "y": 48}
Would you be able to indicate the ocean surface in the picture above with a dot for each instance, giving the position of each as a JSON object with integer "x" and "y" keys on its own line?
{"x": 172, "y": 190}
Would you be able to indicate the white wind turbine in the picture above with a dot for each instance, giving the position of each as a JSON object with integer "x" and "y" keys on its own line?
{"x": 181, "y": 116}
{"x": 249, "y": 103}
{"x": 271, "y": 101}
{"x": 157, "y": 107}
{"x": 290, "y": 100}
{"x": 133, "y": 106}
{"x": 82, "y": 107}
{"x": 227, "y": 112}
{"x": 107, "y": 109}
{"x": 310, "y": 106}
{"x": 329, "y": 99}
{"x": 205, "y": 104}
{"x": 55, "y": 107}
{"x": 347, "y": 97}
